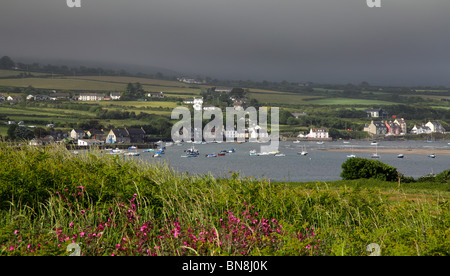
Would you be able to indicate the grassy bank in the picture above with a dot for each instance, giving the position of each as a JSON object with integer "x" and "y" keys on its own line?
{"x": 110, "y": 206}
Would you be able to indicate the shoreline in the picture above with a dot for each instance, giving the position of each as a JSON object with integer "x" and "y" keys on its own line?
{"x": 394, "y": 151}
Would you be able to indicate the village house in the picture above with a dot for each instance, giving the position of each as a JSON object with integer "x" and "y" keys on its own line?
{"x": 118, "y": 135}
{"x": 159, "y": 95}
{"x": 402, "y": 123}
{"x": 114, "y": 96}
{"x": 257, "y": 131}
{"x": 238, "y": 105}
{"x": 376, "y": 128}
{"x": 376, "y": 113}
{"x": 89, "y": 142}
{"x": 77, "y": 134}
{"x": 14, "y": 98}
{"x": 232, "y": 134}
{"x": 41, "y": 97}
{"x": 392, "y": 128}
{"x": 420, "y": 130}
{"x": 190, "y": 80}
{"x": 196, "y": 102}
{"x": 126, "y": 135}
{"x": 41, "y": 141}
{"x": 435, "y": 126}
{"x": 90, "y": 97}
{"x": 397, "y": 127}
{"x": 318, "y": 133}
{"x": 96, "y": 134}
{"x": 137, "y": 135}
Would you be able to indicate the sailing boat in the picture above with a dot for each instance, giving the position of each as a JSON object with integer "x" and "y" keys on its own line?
{"x": 303, "y": 152}
{"x": 351, "y": 155}
{"x": 375, "y": 155}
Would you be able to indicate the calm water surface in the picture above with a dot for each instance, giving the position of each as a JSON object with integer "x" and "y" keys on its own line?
{"x": 318, "y": 165}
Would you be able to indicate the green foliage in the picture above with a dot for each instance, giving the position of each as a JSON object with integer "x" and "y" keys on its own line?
{"x": 355, "y": 168}
{"x": 6, "y": 63}
{"x": 443, "y": 177}
{"x": 106, "y": 204}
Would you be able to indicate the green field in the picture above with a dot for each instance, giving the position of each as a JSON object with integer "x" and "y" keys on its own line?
{"x": 276, "y": 97}
{"x": 14, "y": 73}
{"x": 107, "y": 84}
{"x": 348, "y": 101}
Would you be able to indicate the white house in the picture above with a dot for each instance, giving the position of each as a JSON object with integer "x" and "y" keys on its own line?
{"x": 420, "y": 130}
{"x": 435, "y": 126}
{"x": 89, "y": 142}
{"x": 90, "y": 97}
{"x": 115, "y": 95}
{"x": 197, "y": 103}
{"x": 14, "y": 98}
{"x": 320, "y": 133}
{"x": 256, "y": 131}
{"x": 77, "y": 134}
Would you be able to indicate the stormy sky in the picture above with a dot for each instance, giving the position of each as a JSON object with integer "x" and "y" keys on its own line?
{"x": 405, "y": 42}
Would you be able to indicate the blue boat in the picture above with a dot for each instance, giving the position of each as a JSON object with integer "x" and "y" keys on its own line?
{"x": 190, "y": 155}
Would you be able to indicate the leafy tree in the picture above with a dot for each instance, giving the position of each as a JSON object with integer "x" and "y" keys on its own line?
{"x": 356, "y": 168}
{"x": 6, "y": 63}
{"x": 19, "y": 132}
{"x": 24, "y": 133}
{"x": 12, "y": 132}
{"x": 133, "y": 92}
{"x": 237, "y": 93}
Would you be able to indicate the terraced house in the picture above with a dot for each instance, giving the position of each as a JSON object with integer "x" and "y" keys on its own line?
{"x": 376, "y": 128}
{"x": 91, "y": 97}
{"x": 126, "y": 135}
{"x": 396, "y": 127}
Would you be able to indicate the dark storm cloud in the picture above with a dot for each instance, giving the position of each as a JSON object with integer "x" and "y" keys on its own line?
{"x": 403, "y": 42}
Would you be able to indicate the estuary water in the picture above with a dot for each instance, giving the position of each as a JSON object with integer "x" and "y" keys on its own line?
{"x": 317, "y": 165}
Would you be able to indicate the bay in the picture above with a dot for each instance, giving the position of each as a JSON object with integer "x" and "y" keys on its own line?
{"x": 318, "y": 165}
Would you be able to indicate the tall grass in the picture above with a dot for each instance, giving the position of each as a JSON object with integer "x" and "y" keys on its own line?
{"x": 114, "y": 206}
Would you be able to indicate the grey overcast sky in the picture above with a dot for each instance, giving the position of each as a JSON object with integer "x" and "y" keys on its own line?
{"x": 405, "y": 42}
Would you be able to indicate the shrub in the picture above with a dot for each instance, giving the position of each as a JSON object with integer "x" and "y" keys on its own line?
{"x": 356, "y": 168}
{"x": 443, "y": 177}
